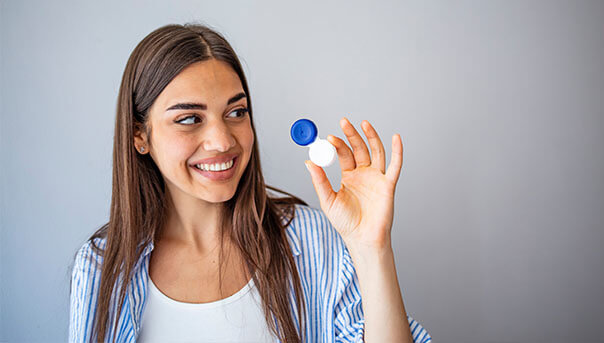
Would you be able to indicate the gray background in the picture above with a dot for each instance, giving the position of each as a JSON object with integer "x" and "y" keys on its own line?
{"x": 498, "y": 228}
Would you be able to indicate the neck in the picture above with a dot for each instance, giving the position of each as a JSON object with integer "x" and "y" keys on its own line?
{"x": 193, "y": 223}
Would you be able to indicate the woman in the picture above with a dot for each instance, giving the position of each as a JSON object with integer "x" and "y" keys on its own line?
{"x": 197, "y": 250}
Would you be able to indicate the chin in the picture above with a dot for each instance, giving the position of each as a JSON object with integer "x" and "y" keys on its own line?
{"x": 219, "y": 197}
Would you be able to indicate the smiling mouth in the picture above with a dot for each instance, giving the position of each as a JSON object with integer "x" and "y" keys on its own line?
{"x": 215, "y": 167}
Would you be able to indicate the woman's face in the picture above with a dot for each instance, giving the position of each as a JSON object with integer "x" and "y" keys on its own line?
{"x": 201, "y": 114}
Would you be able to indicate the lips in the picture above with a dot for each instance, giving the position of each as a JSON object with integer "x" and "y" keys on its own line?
{"x": 199, "y": 166}
{"x": 216, "y": 159}
{"x": 224, "y": 175}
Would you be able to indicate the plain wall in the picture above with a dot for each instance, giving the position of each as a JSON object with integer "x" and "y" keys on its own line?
{"x": 498, "y": 229}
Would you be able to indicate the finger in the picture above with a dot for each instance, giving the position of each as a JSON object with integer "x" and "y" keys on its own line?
{"x": 396, "y": 161}
{"x": 321, "y": 184}
{"x": 378, "y": 158}
{"x": 361, "y": 154}
{"x": 344, "y": 153}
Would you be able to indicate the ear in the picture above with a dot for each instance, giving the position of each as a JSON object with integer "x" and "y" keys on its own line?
{"x": 140, "y": 137}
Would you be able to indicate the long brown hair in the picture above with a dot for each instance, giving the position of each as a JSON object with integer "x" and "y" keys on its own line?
{"x": 253, "y": 221}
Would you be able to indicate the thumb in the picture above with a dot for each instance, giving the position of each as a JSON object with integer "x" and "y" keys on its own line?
{"x": 321, "y": 183}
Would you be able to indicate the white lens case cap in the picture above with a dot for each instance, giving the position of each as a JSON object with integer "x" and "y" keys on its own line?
{"x": 322, "y": 152}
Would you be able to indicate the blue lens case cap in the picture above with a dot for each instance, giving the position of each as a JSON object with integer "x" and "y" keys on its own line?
{"x": 303, "y": 132}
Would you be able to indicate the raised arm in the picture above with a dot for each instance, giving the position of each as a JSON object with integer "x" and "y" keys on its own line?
{"x": 362, "y": 213}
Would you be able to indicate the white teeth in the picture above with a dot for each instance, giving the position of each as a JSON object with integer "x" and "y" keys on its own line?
{"x": 216, "y": 166}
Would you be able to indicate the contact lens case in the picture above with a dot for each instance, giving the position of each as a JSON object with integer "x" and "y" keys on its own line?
{"x": 320, "y": 151}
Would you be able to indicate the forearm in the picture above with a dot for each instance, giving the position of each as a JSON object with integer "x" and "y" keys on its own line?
{"x": 383, "y": 308}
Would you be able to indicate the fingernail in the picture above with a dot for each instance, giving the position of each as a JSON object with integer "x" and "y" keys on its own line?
{"x": 306, "y": 164}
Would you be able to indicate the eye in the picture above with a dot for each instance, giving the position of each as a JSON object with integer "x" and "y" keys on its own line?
{"x": 181, "y": 121}
{"x": 187, "y": 120}
{"x": 242, "y": 112}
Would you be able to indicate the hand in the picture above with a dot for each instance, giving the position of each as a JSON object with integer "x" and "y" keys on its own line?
{"x": 363, "y": 209}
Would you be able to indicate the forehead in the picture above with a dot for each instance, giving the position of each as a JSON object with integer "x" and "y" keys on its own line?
{"x": 210, "y": 80}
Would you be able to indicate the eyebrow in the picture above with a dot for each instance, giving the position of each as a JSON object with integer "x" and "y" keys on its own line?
{"x": 198, "y": 106}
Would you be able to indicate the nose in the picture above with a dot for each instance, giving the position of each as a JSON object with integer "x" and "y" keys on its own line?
{"x": 218, "y": 136}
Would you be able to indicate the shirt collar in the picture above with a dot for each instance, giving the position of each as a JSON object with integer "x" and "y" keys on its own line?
{"x": 294, "y": 242}
{"x": 148, "y": 249}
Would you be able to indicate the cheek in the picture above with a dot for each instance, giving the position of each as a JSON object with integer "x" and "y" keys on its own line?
{"x": 249, "y": 146}
{"x": 251, "y": 139}
{"x": 248, "y": 137}
{"x": 175, "y": 150}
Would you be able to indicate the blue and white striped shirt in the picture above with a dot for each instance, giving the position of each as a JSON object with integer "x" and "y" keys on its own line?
{"x": 330, "y": 287}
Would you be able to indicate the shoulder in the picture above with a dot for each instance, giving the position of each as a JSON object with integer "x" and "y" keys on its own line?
{"x": 310, "y": 218}
{"x": 324, "y": 260}
{"x": 87, "y": 259}
{"x": 84, "y": 286}
{"x": 314, "y": 233}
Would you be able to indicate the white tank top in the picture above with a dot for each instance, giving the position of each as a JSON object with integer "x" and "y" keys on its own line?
{"x": 237, "y": 318}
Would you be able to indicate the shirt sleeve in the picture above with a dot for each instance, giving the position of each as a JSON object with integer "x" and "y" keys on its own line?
{"x": 82, "y": 303}
{"x": 349, "y": 317}
{"x": 419, "y": 334}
